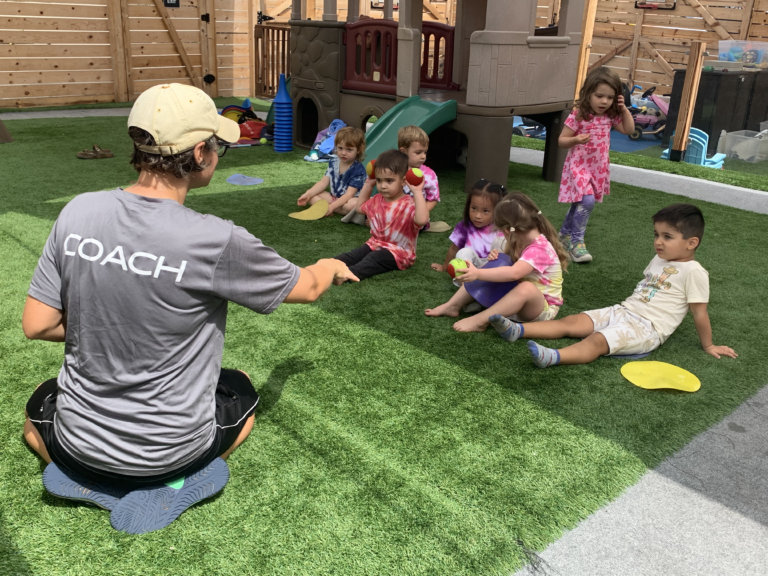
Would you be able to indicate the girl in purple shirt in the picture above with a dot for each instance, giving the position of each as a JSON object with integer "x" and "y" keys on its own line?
{"x": 473, "y": 238}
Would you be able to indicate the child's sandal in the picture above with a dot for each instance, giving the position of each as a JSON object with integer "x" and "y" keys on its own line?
{"x": 95, "y": 154}
{"x": 102, "y": 152}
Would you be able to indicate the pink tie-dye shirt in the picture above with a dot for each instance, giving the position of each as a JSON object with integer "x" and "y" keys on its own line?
{"x": 393, "y": 228}
{"x": 547, "y": 274}
{"x": 479, "y": 239}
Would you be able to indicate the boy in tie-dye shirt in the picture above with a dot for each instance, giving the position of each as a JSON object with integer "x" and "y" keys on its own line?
{"x": 395, "y": 220}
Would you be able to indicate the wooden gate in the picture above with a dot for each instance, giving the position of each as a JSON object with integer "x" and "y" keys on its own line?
{"x": 272, "y": 47}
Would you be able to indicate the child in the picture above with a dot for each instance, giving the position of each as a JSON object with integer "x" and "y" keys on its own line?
{"x": 674, "y": 283}
{"x": 414, "y": 142}
{"x": 539, "y": 262}
{"x": 473, "y": 238}
{"x": 395, "y": 220}
{"x": 587, "y": 135}
{"x": 345, "y": 175}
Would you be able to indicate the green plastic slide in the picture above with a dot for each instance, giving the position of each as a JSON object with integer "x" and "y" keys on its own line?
{"x": 411, "y": 111}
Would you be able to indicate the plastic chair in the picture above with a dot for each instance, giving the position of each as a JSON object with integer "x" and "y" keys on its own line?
{"x": 696, "y": 152}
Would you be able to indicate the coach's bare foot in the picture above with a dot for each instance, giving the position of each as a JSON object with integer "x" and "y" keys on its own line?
{"x": 471, "y": 324}
{"x": 443, "y": 310}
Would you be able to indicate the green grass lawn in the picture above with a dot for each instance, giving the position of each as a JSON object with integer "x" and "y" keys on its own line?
{"x": 734, "y": 172}
{"x": 385, "y": 442}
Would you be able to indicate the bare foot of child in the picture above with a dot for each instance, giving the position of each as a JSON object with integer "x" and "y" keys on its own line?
{"x": 471, "y": 324}
{"x": 443, "y": 310}
{"x": 339, "y": 281}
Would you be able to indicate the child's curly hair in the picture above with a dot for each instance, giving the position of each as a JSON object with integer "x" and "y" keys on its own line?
{"x": 517, "y": 213}
{"x": 354, "y": 138}
{"x": 600, "y": 75}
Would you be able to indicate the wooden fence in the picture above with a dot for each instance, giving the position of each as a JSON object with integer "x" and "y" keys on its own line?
{"x": 56, "y": 53}
{"x": 644, "y": 46}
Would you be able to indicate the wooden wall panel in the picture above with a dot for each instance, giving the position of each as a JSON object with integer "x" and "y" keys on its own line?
{"x": 55, "y": 52}
{"x": 155, "y": 58}
{"x": 669, "y": 33}
{"x": 233, "y": 41}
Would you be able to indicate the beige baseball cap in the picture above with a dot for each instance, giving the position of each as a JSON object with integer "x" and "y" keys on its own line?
{"x": 179, "y": 117}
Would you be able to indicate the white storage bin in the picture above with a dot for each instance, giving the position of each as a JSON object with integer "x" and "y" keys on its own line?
{"x": 743, "y": 145}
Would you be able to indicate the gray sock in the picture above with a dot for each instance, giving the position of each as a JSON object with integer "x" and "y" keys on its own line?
{"x": 507, "y": 329}
{"x": 543, "y": 357}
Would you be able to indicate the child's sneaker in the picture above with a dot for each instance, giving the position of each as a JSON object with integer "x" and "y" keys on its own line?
{"x": 579, "y": 253}
{"x": 566, "y": 242}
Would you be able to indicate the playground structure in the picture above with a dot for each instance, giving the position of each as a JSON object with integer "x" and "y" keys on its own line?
{"x": 463, "y": 83}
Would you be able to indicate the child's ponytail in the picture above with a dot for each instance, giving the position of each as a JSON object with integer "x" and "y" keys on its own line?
{"x": 517, "y": 212}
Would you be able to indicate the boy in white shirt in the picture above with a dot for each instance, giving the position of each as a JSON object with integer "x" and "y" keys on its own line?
{"x": 674, "y": 283}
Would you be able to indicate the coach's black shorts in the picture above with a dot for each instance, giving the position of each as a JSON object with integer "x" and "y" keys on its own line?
{"x": 235, "y": 402}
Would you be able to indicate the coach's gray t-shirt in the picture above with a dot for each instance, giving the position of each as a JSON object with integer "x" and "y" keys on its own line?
{"x": 145, "y": 283}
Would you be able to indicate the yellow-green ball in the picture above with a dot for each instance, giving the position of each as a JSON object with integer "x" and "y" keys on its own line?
{"x": 456, "y": 267}
{"x": 263, "y": 141}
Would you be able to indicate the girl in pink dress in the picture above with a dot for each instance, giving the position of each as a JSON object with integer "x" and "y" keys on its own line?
{"x": 587, "y": 136}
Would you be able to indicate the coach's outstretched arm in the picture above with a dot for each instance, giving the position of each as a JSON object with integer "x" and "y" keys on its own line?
{"x": 316, "y": 279}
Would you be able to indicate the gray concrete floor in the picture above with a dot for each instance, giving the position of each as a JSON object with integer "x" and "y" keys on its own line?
{"x": 65, "y": 114}
{"x": 735, "y": 196}
{"x": 702, "y": 512}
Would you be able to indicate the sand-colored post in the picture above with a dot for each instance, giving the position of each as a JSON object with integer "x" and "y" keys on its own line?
{"x": 688, "y": 101}
{"x": 587, "y": 29}
{"x": 409, "y": 48}
{"x": 5, "y": 136}
{"x": 329, "y": 11}
{"x": 389, "y": 10}
{"x": 353, "y": 10}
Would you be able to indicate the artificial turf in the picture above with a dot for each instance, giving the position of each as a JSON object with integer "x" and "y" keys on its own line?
{"x": 385, "y": 442}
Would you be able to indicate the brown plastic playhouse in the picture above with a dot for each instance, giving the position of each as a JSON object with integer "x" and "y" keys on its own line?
{"x": 496, "y": 65}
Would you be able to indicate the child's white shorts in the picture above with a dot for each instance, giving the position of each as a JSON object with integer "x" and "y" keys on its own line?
{"x": 549, "y": 313}
{"x": 625, "y": 331}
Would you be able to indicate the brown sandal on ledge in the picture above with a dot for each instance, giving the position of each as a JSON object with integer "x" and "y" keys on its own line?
{"x": 95, "y": 154}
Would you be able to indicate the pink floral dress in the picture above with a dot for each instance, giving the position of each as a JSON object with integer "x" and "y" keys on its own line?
{"x": 586, "y": 169}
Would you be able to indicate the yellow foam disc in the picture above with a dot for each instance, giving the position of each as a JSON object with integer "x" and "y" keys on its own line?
{"x": 314, "y": 212}
{"x": 652, "y": 375}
